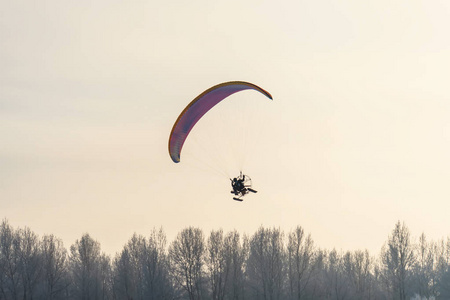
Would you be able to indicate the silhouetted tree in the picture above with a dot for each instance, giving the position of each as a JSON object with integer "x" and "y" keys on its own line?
{"x": 186, "y": 254}
{"x": 157, "y": 281}
{"x": 337, "y": 282}
{"x": 443, "y": 287}
{"x": 10, "y": 276}
{"x": 358, "y": 268}
{"x": 123, "y": 275}
{"x": 141, "y": 269}
{"x": 218, "y": 264}
{"x": 318, "y": 285}
{"x": 442, "y": 270}
{"x": 236, "y": 253}
{"x": 89, "y": 270}
{"x": 55, "y": 279}
{"x": 265, "y": 265}
{"x": 300, "y": 263}
{"x": 129, "y": 266}
{"x": 423, "y": 279}
{"x": 30, "y": 261}
{"x": 397, "y": 259}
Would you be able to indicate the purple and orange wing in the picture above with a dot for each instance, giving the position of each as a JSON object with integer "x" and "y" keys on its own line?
{"x": 199, "y": 107}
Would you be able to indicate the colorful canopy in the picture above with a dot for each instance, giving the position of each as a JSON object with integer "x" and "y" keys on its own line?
{"x": 200, "y": 106}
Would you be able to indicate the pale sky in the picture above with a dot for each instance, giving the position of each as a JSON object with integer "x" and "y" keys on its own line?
{"x": 357, "y": 137}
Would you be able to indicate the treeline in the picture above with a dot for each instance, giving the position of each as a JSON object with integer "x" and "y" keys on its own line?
{"x": 268, "y": 264}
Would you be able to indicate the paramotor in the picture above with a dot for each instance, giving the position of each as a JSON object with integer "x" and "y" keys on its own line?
{"x": 195, "y": 110}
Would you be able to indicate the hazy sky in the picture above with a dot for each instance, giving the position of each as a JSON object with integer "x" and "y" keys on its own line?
{"x": 357, "y": 137}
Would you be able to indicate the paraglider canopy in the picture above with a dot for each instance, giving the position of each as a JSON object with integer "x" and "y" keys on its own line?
{"x": 198, "y": 107}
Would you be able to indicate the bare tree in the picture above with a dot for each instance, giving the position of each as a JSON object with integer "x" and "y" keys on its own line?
{"x": 141, "y": 269}
{"x": 30, "y": 265}
{"x": 88, "y": 269}
{"x": 157, "y": 281}
{"x": 442, "y": 271}
{"x": 300, "y": 262}
{"x": 358, "y": 267}
{"x": 337, "y": 282}
{"x": 10, "y": 279}
{"x": 186, "y": 255}
{"x": 316, "y": 289}
{"x": 136, "y": 252}
{"x": 123, "y": 276}
{"x": 444, "y": 285}
{"x": 54, "y": 264}
{"x": 236, "y": 255}
{"x": 423, "y": 268}
{"x": 397, "y": 258}
{"x": 218, "y": 264}
{"x": 129, "y": 266}
{"x": 265, "y": 266}
{"x": 105, "y": 277}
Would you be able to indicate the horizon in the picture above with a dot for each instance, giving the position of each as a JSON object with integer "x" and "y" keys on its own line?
{"x": 413, "y": 238}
